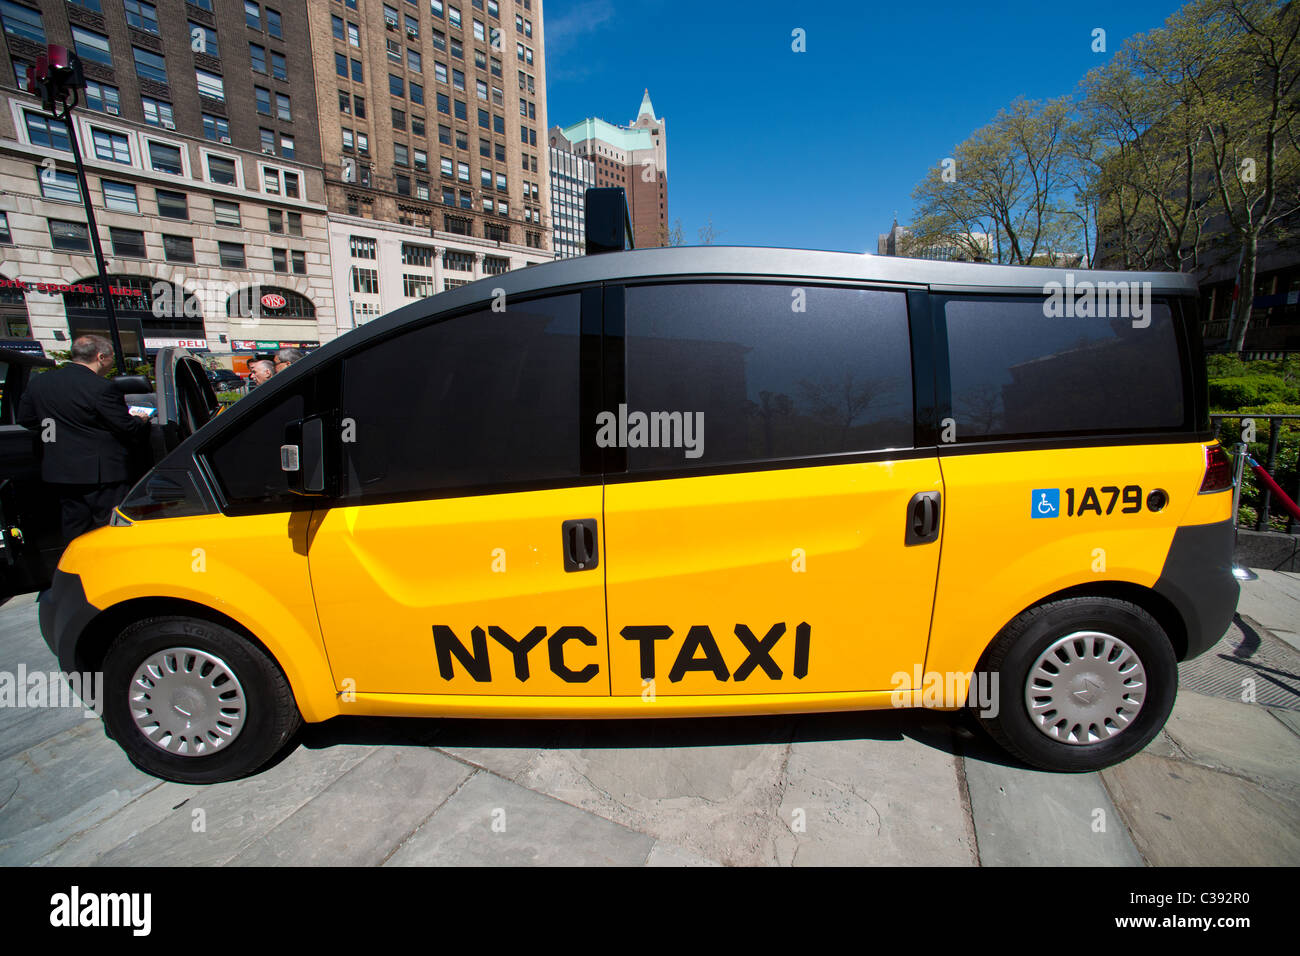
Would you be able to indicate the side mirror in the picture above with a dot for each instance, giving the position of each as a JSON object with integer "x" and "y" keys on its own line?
{"x": 303, "y": 457}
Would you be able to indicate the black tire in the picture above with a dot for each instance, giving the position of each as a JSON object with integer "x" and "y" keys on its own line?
{"x": 270, "y": 714}
{"x": 1020, "y": 644}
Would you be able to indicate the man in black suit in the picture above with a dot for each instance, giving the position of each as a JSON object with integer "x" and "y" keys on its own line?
{"x": 86, "y": 434}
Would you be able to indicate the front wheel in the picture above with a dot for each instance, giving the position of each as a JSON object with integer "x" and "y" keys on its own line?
{"x": 1083, "y": 683}
{"x": 194, "y": 702}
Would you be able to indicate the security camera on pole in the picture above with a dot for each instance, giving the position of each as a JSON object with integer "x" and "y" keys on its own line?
{"x": 56, "y": 78}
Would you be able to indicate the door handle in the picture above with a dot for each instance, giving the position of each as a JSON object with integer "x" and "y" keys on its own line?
{"x": 922, "y": 518}
{"x": 581, "y": 551}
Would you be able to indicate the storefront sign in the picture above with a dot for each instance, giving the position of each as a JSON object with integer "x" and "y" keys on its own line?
{"x": 167, "y": 343}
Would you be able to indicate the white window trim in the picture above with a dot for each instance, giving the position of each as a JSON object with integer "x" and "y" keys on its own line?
{"x": 147, "y": 138}
{"x": 206, "y": 154}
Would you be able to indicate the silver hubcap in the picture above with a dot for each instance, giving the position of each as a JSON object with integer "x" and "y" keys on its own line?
{"x": 1086, "y": 687}
{"x": 187, "y": 702}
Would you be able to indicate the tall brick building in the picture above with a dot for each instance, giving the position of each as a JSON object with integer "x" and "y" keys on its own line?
{"x": 634, "y": 157}
{"x": 199, "y": 133}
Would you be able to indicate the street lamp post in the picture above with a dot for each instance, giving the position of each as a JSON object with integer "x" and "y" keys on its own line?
{"x": 57, "y": 77}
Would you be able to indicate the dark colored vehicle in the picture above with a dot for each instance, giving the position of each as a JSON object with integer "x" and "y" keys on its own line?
{"x": 224, "y": 380}
{"x": 30, "y": 542}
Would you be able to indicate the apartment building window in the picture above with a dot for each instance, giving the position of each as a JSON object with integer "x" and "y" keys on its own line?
{"x": 402, "y": 184}
{"x": 496, "y": 67}
{"x": 221, "y": 170}
{"x": 103, "y": 97}
{"x": 120, "y": 197}
{"x": 479, "y": 32}
{"x": 365, "y": 280}
{"x": 91, "y": 46}
{"x": 282, "y": 110}
{"x": 462, "y": 172}
{"x": 422, "y": 189}
{"x": 358, "y": 75}
{"x": 336, "y": 26}
{"x": 347, "y": 140}
{"x": 231, "y": 255}
{"x": 298, "y": 259}
{"x": 252, "y": 15}
{"x": 274, "y": 23}
{"x": 453, "y": 16}
{"x": 458, "y": 80}
{"x": 149, "y": 65}
{"x": 458, "y": 261}
{"x": 262, "y": 100}
{"x": 493, "y": 8}
{"x": 444, "y": 103}
{"x": 158, "y": 113}
{"x": 363, "y": 247}
{"x": 480, "y": 58}
{"x": 226, "y": 213}
{"x": 22, "y": 22}
{"x": 401, "y": 155}
{"x": 466, "y": 199}
{"x": 279, "y": 69}
{"x": 417, "y": 125}
{"x": 448, "y": 196}
{"x": 394, "y": 50}
{"x": 439, "y": 40}
{"x": 485, "y": 175}
{"x": 399, "y": 119}
{"x": 6, "y": 237}
{"x": 57, "y": 185}
{"x": 457, "y": 225}
{"x": 417, "y": 93}
{"x": 485, "y": 148}
{"x": 203, "y": 39}
{"x": 172, "y": 205}
{"x": 462, "y": 140}
{"x": 257, "y": 53}
{"x": 421, "y": 162}
{"x": 435, "y": 7}
{"x": 127, "y": 243}
{"x": 141, "y": 15}
{"x": 456, "y": 50}
{"x": 69, "y": 236}
{"x": 178, "y": 248}
{"x": 291, "y": 185}
{"x": 396, "y": 86}
{"x": 498, "y": 233}
{"x": 216, "y": 128}
{"x": 359, "y": 107}
{"x": 280, "y": 260}
{"x": 341, "y": 65}
{"x": 501, "y": 182}
{"x": 210, "y": 85}
{"x": 164, "y": 158}
{"x": 444, "y": 135}
{"x": 345, "y": 102}
{"x": 481, "y": 89}
{"x": 448, "y": 168}
{"x": 268, "y": 140}
{"x": 286, "y": 146}
{"x": 111, "y": 147}
{"x": 484, "y": 119}
{"x": 412, "y": 27}
{"x": 363, "y": 143}
{"x": 354, "y": 35}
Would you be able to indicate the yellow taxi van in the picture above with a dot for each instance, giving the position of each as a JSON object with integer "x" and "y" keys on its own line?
{"x": 682, "y": 481}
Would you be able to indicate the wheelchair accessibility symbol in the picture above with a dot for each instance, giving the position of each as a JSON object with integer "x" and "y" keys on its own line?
{"x": 1046, "y": 503}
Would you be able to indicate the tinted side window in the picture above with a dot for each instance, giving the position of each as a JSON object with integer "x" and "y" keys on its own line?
{"x": 770, "y": 371}
{"x": 246, "y": 457}
{"x": 480, "y": 400}
{"x": 1016, "y": 371}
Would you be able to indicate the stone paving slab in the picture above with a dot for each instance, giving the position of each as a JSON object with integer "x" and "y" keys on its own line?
{"x": 492, "y": 822}
{"x": 1181, "y": 814}
{"x": 1274, "y": 601}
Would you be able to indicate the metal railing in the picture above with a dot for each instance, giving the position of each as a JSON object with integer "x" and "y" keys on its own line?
{"x": 1274, "y": 435}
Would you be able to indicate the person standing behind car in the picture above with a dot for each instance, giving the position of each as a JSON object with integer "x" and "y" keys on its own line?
{"x": 286, "y": 357}
{"x": 260, "y": 371}
{"x": 87, "y": 435}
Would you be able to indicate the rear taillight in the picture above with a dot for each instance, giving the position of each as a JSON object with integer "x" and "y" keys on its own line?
{"x": 1218, "y": 470}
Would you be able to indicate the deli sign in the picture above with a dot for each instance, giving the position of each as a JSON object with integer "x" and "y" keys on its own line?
{"x": 166, "y": 343}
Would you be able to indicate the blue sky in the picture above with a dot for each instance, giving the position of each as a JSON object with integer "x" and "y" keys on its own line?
{"x": 817, "y": 149}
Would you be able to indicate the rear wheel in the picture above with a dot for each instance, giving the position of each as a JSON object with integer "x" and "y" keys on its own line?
{"x": 1082, "y": 683}
{"x": 194, "y": 702}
